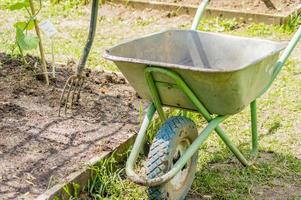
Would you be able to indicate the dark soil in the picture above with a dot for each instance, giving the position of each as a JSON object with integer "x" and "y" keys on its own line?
{"x": 38, "y": 148}
{"x": 254, "y": 6}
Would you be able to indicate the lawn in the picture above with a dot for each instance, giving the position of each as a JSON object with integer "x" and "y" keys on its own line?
{"x": 276, "y": 173}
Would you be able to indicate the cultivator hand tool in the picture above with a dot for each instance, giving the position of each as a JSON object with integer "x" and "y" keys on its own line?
{"x": 214, "y": 74}
{"x": 74, "y": 83}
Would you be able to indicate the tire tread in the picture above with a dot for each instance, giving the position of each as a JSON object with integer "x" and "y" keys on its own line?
{"x": 160, "y": 149}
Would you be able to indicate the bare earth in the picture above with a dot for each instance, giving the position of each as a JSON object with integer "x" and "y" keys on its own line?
{"x": 38, "y": 148}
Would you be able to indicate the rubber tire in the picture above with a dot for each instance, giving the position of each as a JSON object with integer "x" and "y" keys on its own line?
{"x": 161, "y": 157}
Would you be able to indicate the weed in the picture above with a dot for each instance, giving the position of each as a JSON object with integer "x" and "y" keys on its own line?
{"x": 219, "y": 25}
{"x": 292, "y": 24}
{"x": 108, "y": 182}
{"x": 72, "y": 191}
{"x": 142, "y": 22}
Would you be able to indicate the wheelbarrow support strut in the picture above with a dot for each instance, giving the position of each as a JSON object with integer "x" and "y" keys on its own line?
{"x": 253, "y": 108}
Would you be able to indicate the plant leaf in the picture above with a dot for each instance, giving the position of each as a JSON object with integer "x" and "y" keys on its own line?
{"x": 20, "y": 25}
{"x": 30, "y": 25}
{"x": 19, "y": 5}
{"x": 26, "y": 41}
{"x": 24, "y": 25}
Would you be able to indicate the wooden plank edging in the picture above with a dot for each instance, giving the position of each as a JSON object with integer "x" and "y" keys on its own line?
{"x": 83, "y": 175}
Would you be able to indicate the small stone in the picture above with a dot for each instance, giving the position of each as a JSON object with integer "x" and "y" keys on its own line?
{"x": 99, "y": 69}
{"x": 207, "y": 197}
{"x": 97, "y": 81}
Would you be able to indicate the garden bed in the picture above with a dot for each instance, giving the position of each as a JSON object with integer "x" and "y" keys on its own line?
{"x": 39, "y": 149}
{"x": 283, "y": 7}
{"x": 246, "y": 11}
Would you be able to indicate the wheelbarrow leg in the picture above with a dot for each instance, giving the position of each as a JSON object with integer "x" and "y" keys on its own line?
{"x": 254, "y": 128}
{"x": 155, "y": 96}
{"x": 231, "y": 146}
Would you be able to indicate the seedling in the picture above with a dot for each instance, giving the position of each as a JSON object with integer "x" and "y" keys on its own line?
{"x": 26, "y": 40}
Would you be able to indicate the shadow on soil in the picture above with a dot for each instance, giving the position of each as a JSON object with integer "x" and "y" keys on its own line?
{"x": 38, "y": 148}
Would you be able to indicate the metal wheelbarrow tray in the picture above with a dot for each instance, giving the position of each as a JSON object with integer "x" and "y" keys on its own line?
{"x": 225, "y": 72}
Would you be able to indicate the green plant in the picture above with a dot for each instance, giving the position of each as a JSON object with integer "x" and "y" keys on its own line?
{"x": 260, "y": 29}
{"x": 292, "y": 23}
{"x": 70, "y": 3}
{"x": 219, "y": 25}
{"x": 72, "y": 191}
{"x": 106, "y": 179}
{"x": 26, "y": 40}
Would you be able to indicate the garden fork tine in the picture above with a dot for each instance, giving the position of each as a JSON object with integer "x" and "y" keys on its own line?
{"x": 78, "y": 86}
{"x": 68, "y": 82}
{"x": 72, "y": 89}
{"x": 76, "y": 82}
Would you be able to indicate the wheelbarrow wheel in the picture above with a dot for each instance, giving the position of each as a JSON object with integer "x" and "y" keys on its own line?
{"x": 171, "y": 141}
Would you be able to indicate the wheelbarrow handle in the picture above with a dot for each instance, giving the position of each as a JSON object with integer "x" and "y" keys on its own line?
{"x": 199, "y": 13}
{"x": 283, "y": 58}
{"x": 287, "y": 52}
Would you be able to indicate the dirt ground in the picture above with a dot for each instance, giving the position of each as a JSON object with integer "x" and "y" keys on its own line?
{"x": 257, "y": 6}
{"x": 38, "y": 148}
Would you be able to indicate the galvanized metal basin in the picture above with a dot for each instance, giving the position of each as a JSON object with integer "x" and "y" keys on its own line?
{"x": 225, "y": 72}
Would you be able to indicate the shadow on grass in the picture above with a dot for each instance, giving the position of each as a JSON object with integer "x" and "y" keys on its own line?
{"x": 273, "y": 176}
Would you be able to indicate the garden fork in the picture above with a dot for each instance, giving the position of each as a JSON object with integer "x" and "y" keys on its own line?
{"x": 75, "y": 82}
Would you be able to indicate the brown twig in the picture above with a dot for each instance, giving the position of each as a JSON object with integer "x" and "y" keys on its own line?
{"x": 269, "y": 4}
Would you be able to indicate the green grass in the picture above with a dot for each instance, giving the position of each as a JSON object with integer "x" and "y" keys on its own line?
{"x": 262, "y": 30}
{"x": 222, "y": 179}
{"x": 276, "y": 172}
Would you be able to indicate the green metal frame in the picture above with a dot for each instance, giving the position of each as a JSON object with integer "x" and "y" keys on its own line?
{"x": 253, "y": 109}
{"x": 213, "y": 123}
{"x": 180, "y": 83}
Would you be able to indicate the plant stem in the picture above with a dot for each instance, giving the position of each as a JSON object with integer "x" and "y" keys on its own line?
{"x": 22, "y": 54}
{"x": 53, "y": 62}
{"x": 40, "y": 42}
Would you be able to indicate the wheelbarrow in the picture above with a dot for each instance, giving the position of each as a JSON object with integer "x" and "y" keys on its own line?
{"x": 214, "y": 74}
